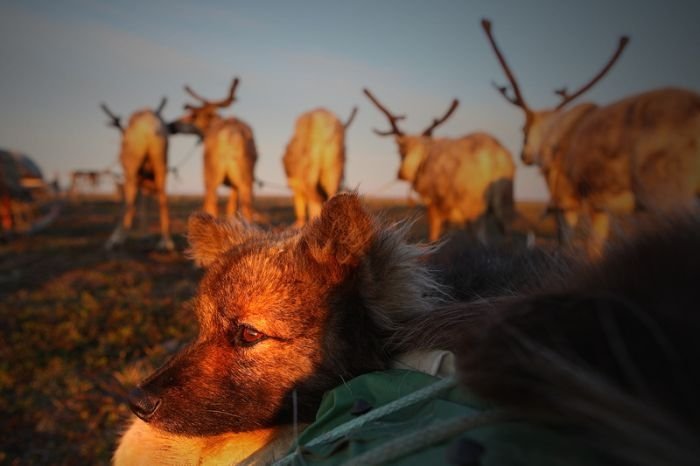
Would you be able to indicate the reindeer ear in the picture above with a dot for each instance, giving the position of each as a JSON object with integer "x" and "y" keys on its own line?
{"x": 210, "y": 237}
{"x": 342, "y": 235}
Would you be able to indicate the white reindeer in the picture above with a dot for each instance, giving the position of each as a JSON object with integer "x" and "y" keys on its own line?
{"x": 639, "y": 153}
{"x": 314, "y": 161}
{"x": 144, "y": 159}
{"x": 465, "y": 180}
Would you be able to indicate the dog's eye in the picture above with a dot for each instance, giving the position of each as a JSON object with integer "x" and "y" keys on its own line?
{"x": 250, "y": 336}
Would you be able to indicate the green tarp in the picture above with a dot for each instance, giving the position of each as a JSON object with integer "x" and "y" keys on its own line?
{"x": 419, "y": 434}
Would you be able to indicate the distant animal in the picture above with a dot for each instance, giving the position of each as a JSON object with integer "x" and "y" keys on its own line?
{"x": 465, "y": 180}
{"x": 230, "y": 153}
{"x": 641, "y": 153}
{"x": 314, "y": 161}
{"x": 82, "y": 180}
{"x": 144, "y": 160}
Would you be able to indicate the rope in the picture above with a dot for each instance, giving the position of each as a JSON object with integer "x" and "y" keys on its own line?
{"x": 263, "y": 183}
{"x": 425, "y": 437}
{"x": 389, "y": 408}
{"x": 383, "y": 187}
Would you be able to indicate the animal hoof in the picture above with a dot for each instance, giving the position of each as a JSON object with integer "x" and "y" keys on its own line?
{"x": 166, "y": 244}
{"x": 112, "y": 244}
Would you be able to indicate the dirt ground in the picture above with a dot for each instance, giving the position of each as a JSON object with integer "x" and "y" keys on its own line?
{"x": 79, "y": 323}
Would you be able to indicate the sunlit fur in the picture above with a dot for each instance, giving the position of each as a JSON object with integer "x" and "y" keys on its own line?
{"x": 144, "y": 160}
{"x": 314, "y": 162}
{"x": 640, "y": 153}
{"x": 326, "y": 297}
{"x": 230, "y": 155}
{"x": 461, "y": 180}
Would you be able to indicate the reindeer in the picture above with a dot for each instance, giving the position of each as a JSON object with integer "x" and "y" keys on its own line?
{"x": 639, "y": 153}
{"x": 314, "y": 161}
{"x": 468, "y": 179}
{"x": 229, "y": 151}
{"x": 144, "y": 159}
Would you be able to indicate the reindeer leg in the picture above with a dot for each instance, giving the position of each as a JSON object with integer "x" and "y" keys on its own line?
{"x": 246, "y": 194}
{"x": 299, "y": 208}
{"x": 600, "y": 229}
{"x": 567, "y": 220}
{"x": 210, "y": 199}
{"x": 434, "y": 223}
{"x": 119, "y": 235}
{"x": 232, "y": 204}
{"x": 166, "y": 242}
{"x": 315, "y": 199}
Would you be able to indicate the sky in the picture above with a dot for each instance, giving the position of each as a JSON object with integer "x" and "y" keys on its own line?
{"x": 59, "y": 60}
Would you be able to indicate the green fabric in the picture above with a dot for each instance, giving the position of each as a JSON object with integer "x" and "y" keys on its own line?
{"x": 505, "y": 443}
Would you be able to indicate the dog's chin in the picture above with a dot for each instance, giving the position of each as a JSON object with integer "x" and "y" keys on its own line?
{"x": 208, "y": 427}
{"x": 144, "y": 444}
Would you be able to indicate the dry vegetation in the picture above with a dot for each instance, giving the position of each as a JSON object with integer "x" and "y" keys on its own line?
{"x": 79, "y": 322}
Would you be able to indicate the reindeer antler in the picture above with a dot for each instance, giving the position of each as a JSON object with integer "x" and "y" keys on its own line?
{"x": 161, "y": 105}
{"x": 225, "y": 102}
{"x": 438, "y": 121}
{"x": 564, "y": 94}
{"x": 392, "y": 118}
{"x": 518, "y": 99}
{"x": 115, "y": 120}
{"x": 348, "y": 122}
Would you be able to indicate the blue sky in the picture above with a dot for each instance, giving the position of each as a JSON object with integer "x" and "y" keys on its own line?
{"x": 60, "y": 59}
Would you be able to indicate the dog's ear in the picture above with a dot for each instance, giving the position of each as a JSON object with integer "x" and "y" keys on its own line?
{"x": 210, "y": 237}
{"x": 342, "y": 235}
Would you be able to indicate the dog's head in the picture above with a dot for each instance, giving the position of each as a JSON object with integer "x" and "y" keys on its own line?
{"x": 284, "y": 313}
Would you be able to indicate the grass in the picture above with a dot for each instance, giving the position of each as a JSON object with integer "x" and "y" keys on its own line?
{"x": 79, "y": 323}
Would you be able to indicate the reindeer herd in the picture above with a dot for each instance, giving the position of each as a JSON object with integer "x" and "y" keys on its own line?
{"x": 641, "y": 153}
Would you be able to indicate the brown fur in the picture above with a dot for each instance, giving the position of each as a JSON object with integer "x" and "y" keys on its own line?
{"x": 639, "y": 153}
{"x": 464, "y": 180}
{"x": 144, "y": 144}
{"x": 605, "y": 353}
{"x": 461, "y": 180}
{"x": 314, "y": 161}
{"x": 230, "y": 154}
{"x": 325, "y": 298}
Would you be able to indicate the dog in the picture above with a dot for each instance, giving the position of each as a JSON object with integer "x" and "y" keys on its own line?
{"x": 605, "y": 351}
{"x": 286, "y": 316}
{"x": 281, "y": 315}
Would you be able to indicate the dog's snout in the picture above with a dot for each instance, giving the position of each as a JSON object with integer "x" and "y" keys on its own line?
{"x": 143, "y": 404}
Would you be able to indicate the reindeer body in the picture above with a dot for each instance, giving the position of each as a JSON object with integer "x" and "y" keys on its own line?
{"x": 649, "y": 146}
{"x": 460, "y": 180}
{"x": 229, "y": 151}
{"x": 229, "y": 158}
{"x": 144, "y": 160}
{"x": 639, "y": 153}
{"x": 463, "y": 180}
{"x": 314, "y": 161}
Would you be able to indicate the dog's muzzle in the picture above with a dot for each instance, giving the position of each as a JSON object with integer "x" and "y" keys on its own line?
{"x": 143, "y": 404}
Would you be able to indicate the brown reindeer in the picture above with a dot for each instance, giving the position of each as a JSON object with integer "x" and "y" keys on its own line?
{"x": 639, "y": 153}
{"x": 467, "y": 179}
{"x": 314, "y": 161}
{"x": 144, "y": 159}
{"x": 229, "y": 151}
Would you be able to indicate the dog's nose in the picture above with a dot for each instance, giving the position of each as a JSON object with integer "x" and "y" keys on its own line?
{"x": 143, "y": 404}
